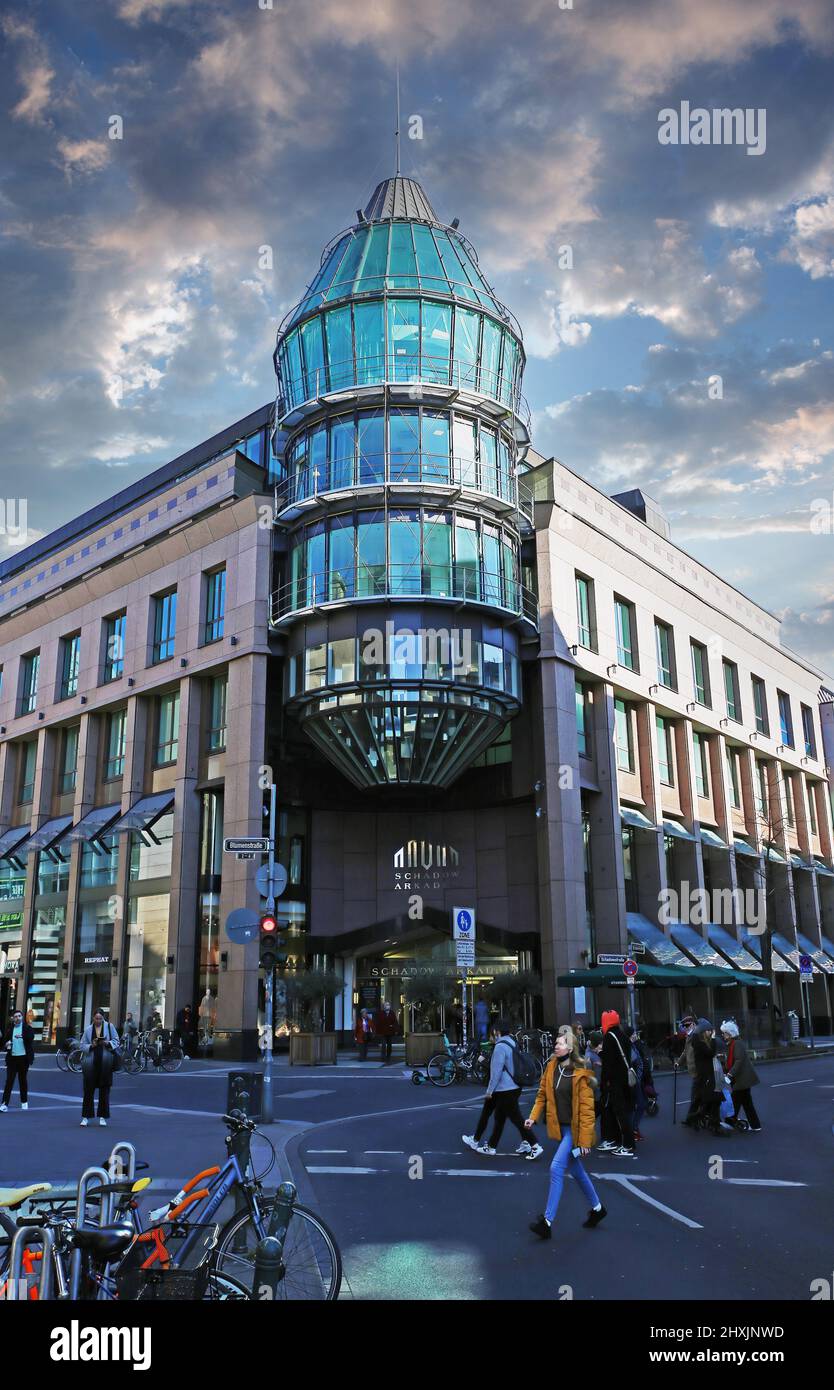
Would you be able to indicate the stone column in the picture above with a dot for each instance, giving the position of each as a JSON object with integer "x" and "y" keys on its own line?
{"x": 185, "y": 854}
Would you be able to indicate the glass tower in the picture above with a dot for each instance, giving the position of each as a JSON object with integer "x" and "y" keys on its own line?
{"x": 400, "y": 432}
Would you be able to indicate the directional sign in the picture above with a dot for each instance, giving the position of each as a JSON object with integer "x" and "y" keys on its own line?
{"x": 463, "y": 923}
{"x": 244, "y": 854}
{"x": 611, "y": 960}
{"x": 242, "y": 925}
{"x": 278, "y": 883}
{"x": 630, "y": 968}
{"x": 251, "y": 844}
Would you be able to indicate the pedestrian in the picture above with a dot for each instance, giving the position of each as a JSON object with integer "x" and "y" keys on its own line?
{"x": 364, "y": 1033}
{"x": 19, "y": 1047}
{"x": 742, "y": 1076}
{"x": 579, "y": 1034}
{"x": 501, "y": 1100}
{"x": 593, "y": 1052}
{"x": 686, "y": 1058}
{"x": 481, "y": 1019}
{"x": 616, "y": 1090}
{"x": 185, "y": 1028}
{"x": 708, "y": 1078}
{"x": 100, "y": 1045}
{"x": 638, "y": 1067}
{"x": 386, "y": 1027}
{"x": 566, "y": 1097}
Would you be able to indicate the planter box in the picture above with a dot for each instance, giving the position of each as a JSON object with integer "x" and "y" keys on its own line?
{"x": 313, "y": 1049}
{"x": 419, "y": 1047}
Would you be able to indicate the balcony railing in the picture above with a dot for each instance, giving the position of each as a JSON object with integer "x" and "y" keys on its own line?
{"x": 454, "y": 582}
{"x": 413, "y": 468}
{"x": 405, "y": 367}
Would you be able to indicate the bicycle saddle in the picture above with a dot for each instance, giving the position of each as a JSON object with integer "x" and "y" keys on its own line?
{"x": 106, "y": 1241}
{"x": 15, "y": 1196}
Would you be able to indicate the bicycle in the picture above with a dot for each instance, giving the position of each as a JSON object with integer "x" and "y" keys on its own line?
{"x": 160, "y": 1051}
{"x": 69, "y": 1055}
{"x": 458, "y": 1064}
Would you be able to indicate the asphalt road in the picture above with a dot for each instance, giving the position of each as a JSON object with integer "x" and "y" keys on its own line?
{"x": 419, "y": 1216}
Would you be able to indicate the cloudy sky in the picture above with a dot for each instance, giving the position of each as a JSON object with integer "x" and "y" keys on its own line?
{"x": 138, "y": 319}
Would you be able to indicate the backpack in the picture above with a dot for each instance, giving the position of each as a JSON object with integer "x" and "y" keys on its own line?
{"x": 523, "y": 1070}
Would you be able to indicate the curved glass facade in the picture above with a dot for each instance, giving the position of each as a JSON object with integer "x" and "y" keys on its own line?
{"x": 399, "y": 338}
{"x": 398, "y": 255}
{"x": 399, "y": 376}
{"x": 399, "y": 445}
{"x": 399, "y": 552}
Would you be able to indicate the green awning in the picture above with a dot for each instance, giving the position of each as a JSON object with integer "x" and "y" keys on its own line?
{"x": 664, "y": 976}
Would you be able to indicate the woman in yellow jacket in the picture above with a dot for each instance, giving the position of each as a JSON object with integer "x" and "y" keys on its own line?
{"x": 566, "y": 1096}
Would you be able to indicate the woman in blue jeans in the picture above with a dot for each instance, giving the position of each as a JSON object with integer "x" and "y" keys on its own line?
{"x": 566, "y": 1095}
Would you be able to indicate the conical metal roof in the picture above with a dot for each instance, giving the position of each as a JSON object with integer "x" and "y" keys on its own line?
{"x": 399, "y": 198}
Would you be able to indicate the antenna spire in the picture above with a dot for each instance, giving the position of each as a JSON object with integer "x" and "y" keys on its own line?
{"x": 396, "y": 132}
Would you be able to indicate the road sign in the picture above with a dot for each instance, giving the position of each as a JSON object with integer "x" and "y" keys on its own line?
{"x": 637, "y": 948}
{"x": 277, "y": 882}
{"x": 244, "y": 854}
{"x": 630, "y": 968}
{"x": 247, "y": 844}
{"x": 806, "y": 969}
{"x": 242, "y": 925}
{"x": 465, "y": 955}
{"x": 611, "y": 959}
{"x": 463, "y": 923}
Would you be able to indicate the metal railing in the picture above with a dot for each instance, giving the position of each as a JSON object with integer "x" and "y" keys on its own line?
{"x": 454, "y": 582}
{"x": 406, "y": 367}
{"x": 412, "y": 468}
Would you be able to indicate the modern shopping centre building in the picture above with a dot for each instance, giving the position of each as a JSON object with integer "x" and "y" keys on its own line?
{"x": 475, "y": 679}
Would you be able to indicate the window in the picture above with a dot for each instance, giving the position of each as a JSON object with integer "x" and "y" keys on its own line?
{"x": 701, "y": 764}
{"x": 785, "y": 718}
{"x": 812, "y": 810}
{"x": 28, "y": 761}
{"x": 665, "y": 755}
{"x": 114, "y": 763}
{"x": 665, "y": 644}
{"x": 217, "y": 715}
{"x": 70, "y": 662}
{"x": 168, "y": 724}
{"x": 808, "y": 731}
{"x": 164, "y": 626}
{"x": 629, "y": 875}
{"x": 700, "y": 674}
{"x": 114, "y": 646}
{"x": 626, "y": 644}
{"x": 582, "y": 729}
{"x": 586, "y": 624}
{"x": 69, "y": 760}
{"x": 31, "y": 666}
{"x": 789, "y": 809}
{"x": 760, "y": 705}
{"x": 732, "y": 768}
{"x": 763, "y": 797}
{"x": 731, "y": 690}
{"x": 623, "y": 737}
{"x": 215, "y": 605}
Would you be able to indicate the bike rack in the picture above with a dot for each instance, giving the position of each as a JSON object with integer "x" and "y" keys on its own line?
{"x": 120, "y": 1152}
{"x": 91, "y": 1177}
{"x": 32, "y": 1235}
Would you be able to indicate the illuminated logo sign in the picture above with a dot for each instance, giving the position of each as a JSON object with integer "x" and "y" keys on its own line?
{"x": 424, "y": 864}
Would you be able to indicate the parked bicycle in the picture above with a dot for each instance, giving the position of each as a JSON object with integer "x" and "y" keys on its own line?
{"x": 458, "y": 1063}
{"x": 156, "y": 1049}
{"x": 69, "y": 1055}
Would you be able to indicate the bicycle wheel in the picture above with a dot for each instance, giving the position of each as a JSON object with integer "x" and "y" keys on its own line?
{"x": 62, "y": 1061}
{"x": 75, "y": 1059}
{"x": 312, "y": 1262}
{"x": 131, "y": 1064}
{"x": 441, "y": 1069}
{"x": 172, "y": 1061}
{"x": 222, "y": 1288}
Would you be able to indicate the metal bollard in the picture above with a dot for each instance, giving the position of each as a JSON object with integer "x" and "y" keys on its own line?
{"x": 25, "y": 1236}
{"x": 91, "y": 1177}
{"x": 269, "y": 1268}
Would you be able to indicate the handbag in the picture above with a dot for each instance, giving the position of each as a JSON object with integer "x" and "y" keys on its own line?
{"x": 632, "y": 1074}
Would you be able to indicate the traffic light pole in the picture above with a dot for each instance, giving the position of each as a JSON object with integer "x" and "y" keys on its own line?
{"x": 267, "y": 1114}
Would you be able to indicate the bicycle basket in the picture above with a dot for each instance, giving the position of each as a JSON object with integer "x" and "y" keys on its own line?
{"x": 163, "y": 1284}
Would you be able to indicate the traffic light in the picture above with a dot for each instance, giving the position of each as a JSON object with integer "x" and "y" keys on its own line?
{"x": 272, "y": 943}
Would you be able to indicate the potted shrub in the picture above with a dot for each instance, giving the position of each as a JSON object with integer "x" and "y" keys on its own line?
{"x": 509, "y": 992}
{"x": 308, "y": 992}
{"x": 431, "y": 991}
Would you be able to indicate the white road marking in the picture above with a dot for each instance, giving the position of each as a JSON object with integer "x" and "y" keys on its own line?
{"x": 738, "y": 1160}
{"x": 805, "y": 1082}
{"x": 327, "y": 1151}
{"x": 335, "y": 1168}
{"x": 383, "y": 1151}
{"x": 764, "y": 1182}
{"x": 628, "y": 1184}
{"x": 472, "y": 1173}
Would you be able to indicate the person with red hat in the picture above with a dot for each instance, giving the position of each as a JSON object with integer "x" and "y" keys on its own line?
{"x": 617, "y": 1092}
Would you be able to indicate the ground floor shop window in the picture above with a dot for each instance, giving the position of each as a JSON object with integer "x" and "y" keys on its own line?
{"x": 147, "y": 949}
{"x": 46, "y": 981}
{"x": 92, "y": 964}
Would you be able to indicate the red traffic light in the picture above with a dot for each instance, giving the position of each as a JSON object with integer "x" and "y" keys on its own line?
{"x": 269, "y": 925}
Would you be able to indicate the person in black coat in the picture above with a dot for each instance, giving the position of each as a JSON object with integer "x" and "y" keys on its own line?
{"x": 706, "y": 1096}
{"x": 617, "y": 1097}
{"x": 19, "y": 1047}
{"x": 100, "y": 1045}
